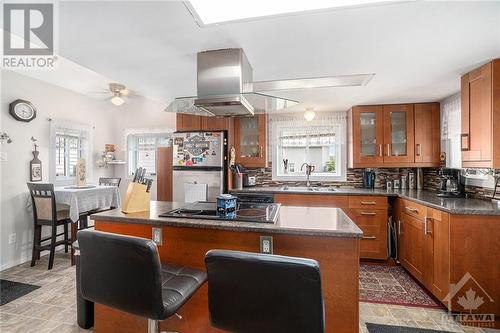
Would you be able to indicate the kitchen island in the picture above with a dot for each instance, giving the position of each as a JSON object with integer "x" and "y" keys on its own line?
{"x": 327, "y": 235}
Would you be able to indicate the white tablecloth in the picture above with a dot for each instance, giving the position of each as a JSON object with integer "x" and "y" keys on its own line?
{"x": 84, "y": 200}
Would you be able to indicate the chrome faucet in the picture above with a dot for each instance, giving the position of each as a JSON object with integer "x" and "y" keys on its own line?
{"x": 309, "y": 170}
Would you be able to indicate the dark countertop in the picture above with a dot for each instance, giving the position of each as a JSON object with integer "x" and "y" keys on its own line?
{"x": 304, "y": 221}
{"x": 459, "y": 206}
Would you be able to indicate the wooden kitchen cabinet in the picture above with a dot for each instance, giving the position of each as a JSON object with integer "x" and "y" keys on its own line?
{"x": 413, "y": 246}
{"x": 367, "y": 135}
{"x": 188, "y": 122}
{"x": 251, "y": 141}
{"x": 423, "y": 239}
{"x": 427, "y": 133}
{"x": 164, "y": 173}
{"x": 437, "y": 252}
{"x": 480, "y": 113}
{"x": 370, "y": 214}
{"x": 399, "y": 135}
{"x": 216, "y": 123}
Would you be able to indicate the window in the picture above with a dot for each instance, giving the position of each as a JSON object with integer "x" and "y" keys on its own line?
{"x": 70, "y": 142}
{"x": 142, "y": 150}
{"x": 320, "y": 143}
{"x": 68, "y": 152}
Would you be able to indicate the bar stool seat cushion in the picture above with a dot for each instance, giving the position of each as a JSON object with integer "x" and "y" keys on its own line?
{"x": 62, "y": 215}
{"x": 178, "y": 284}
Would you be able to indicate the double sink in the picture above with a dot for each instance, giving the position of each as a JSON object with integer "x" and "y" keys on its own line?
{"x": 308, "y": 189}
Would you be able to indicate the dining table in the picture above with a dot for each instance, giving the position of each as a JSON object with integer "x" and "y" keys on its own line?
{"x": 83, "y": 200}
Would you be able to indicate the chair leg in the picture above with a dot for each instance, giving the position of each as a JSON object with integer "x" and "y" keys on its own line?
{"x": 36, "y": 241}
{"x": 66, "y": 239}
{"x": 39, "y": 234}
{"x": 152, "y": 326}
{"x": 52, "y": 246}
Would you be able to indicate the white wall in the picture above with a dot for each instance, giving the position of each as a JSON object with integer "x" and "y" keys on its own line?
{"x": 55, "y": 102}
{"x": 51, "y": 102}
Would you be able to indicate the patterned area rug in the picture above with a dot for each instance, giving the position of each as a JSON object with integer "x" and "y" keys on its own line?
{"x": 392, "y": 285}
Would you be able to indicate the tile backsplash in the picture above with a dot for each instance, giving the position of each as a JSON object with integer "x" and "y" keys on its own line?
{"x": 355, "y": 180}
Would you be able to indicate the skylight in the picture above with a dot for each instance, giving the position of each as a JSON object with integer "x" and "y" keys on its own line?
{"x": 222, "y": 11}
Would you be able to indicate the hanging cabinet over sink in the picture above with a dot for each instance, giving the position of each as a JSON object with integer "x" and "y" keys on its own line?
{"x": 391, "y": 135}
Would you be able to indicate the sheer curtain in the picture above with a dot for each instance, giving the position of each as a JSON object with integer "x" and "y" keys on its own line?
{"x": 326, "y": 126}
{"x": 451, "y": 130}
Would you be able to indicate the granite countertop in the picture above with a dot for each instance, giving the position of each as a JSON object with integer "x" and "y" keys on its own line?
{"x": 459, "y": 206}
{"x": 304, "y": 221}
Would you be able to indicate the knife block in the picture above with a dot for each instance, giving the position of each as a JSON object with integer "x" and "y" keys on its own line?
{"x": 136, "y": 199}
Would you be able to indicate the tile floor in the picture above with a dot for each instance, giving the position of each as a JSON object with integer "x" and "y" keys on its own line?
{"x": 52, "y": 308}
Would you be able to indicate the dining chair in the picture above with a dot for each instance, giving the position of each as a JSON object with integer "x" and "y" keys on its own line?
{"x": 103, "y": 181}
{"x": 45, "y": 213}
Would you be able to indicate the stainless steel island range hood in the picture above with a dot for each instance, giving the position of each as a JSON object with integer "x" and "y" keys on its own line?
{"x": 225, "y": 88}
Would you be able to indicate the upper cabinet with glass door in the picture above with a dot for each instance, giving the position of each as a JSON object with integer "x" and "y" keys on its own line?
{"x": 386, "y": 136}
{"x": 399, "y": 135}
{"x": 368, "y": 135}
{"x": 250, "y": 141}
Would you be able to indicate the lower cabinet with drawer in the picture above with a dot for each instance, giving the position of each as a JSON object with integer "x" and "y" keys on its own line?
{"x": 423, "y": 238}
{"x": 370, "y": 214}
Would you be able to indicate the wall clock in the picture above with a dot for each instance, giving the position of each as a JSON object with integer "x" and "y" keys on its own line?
{"x": 22, "y": 110}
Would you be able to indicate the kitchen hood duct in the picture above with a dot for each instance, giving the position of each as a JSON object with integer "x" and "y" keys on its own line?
{"x": 224, "y": 84}
{"x": 226, "y": 88}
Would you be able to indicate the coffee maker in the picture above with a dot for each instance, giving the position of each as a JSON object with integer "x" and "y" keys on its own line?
{"x": 452, "y": 183}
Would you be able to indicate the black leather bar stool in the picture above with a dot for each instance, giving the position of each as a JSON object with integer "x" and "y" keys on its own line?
{"x": 125, "y": 273}
{"x": 251, "y": 292}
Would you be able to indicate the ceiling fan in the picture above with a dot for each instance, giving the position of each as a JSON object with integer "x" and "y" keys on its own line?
{"x": 119, "y": 91}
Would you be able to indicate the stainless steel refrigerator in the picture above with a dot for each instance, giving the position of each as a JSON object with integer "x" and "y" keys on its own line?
{"x": 199, "y": 162}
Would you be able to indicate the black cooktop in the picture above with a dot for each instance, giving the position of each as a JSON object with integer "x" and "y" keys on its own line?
{"x": 245, "y": 211}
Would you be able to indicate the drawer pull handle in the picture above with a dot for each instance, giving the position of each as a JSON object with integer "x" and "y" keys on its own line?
{"x": 369, "y": 237}
{"x": 368, "y": 203}
{"x": 413, "y": 210}
{"x": 368, "y": 213}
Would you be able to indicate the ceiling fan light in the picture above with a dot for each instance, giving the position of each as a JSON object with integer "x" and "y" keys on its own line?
{"x": 309, "y": 114}
{"x": 117, "y": 100}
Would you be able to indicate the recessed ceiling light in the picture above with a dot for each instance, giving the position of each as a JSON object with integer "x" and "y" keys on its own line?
{"x": 222, "y": 11}
{"x": 313, "y": 82}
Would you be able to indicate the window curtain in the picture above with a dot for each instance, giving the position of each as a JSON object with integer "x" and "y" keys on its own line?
{"x": 84, "y": 132}
{"x": 335, "y": 122}
{"x": 451, "y": 130}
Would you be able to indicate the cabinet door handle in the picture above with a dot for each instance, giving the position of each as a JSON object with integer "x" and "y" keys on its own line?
{"x": 413, "y": 210}
{"x": 380, "y": 150}
{"x": 369, "y": 237}
{"x": 261, "y": 151}
{"x": 368, "y": 203}
{"x": 368, "y": 213}
{"x": 426, "y": 225}
{"x": 464, "y": 142}
{"x": 419, "y": 149}
{"x": 399, "y": 227}
{"x": 388, "y": 149}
